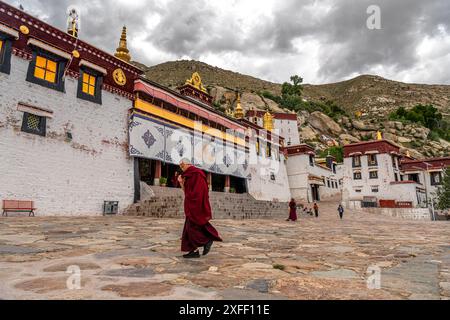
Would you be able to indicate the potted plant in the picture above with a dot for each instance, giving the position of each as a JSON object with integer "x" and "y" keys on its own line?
{"x": 163, "y": 182}
{"x": 232, "y": 190}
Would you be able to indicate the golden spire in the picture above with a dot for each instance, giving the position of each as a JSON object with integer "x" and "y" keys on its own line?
{"x": 239, "y": 112}
{"x": 379, "y": 135}
{"x": 122, "y": 51}
{"x": 268, "y": 121}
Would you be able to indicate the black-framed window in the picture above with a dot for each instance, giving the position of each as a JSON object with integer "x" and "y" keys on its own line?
{"x": 311, "y": 160}
{"x": 373, "y": 174}
{"x": 375, "y": 189}
{"x": 34, "y": 124}
{"x": 372, "y": 160}
{"x": 356, "y": 161}
{"x": 436, "y": 178}
{"x": 5, "y": 53}
{"x": 357, "y": 175}
{"x": 394, "y": 162}
{"x": 90, "y": 85}
{"x": 47, "y": 69}
{"x": 269, "y": 150}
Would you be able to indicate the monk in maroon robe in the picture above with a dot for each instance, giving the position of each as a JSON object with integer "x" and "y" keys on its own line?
{"x": 292, "y": 211}
{"x": 197, "y": 232}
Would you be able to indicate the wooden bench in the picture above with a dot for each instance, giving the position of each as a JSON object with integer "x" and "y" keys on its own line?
{"x": 18, "y": 206}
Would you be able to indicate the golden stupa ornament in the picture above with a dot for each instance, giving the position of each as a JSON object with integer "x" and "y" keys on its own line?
{"x": 379, "y": 135}
{"x": 122, "y": 51}
{"x": 119, "y": 77}
{"x": 268, "y": 121}
{"x": 196, "y": 82}
{"x": 239, "y": 112}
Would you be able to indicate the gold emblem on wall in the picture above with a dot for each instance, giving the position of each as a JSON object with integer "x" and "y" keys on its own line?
{"x": 24, "y": 29}
{"x": 75, "y": 54}
{"x": 119, "y": 77}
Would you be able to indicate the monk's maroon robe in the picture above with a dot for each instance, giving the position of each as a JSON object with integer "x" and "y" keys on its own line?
{"x": 292, "y": 211}
{"x": 197, "y": 230}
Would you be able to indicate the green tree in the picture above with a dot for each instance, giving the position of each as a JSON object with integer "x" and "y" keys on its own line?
{"x": 443, "y": 193}
{"x": 294, "y": 89}
{"x": 337, "y": 152}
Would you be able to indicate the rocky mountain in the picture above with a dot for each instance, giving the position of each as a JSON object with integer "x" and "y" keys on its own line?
{"x": 372, "y": 97}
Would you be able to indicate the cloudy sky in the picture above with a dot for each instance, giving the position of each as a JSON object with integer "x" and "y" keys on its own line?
{"x": 323, "y": 41}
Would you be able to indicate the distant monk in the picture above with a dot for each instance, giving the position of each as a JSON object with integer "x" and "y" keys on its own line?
{"x": 316, "y": 210}
{"x": 197, "y": 232}
{"x": 292, "y": 210}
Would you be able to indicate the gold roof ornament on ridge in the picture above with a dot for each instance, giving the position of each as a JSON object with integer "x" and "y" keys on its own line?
{"x": 239, "y": 112}
{"x": 196, "y": 82}
{"x": 122, "y": 51}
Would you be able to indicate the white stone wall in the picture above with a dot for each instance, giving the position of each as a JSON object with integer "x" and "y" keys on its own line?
{"x": 386, "y": 190}
{"x": 64, "y": 178}
{"x": 288, "y": 129}
{"x": 260, "y": 185}
{"x": 422, "y": 214}
{"x": 298, "y": 171}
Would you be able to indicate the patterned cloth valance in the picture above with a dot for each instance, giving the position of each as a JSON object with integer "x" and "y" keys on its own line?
{"x": 152, "y": 139}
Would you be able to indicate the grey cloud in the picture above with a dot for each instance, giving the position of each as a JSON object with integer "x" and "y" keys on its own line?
{"x": 196, "y": 28}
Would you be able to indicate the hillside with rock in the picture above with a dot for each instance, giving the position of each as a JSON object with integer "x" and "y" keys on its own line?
{"x": 367, "y": 101}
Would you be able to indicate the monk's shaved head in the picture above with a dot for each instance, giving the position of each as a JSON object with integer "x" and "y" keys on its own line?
{"x": 185, "y": 163}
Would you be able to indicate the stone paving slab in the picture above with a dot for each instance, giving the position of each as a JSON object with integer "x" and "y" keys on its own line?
{"x": 138, "y": 258}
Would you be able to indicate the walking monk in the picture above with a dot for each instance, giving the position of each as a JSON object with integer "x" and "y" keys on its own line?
{"x": 292, "y": 210}
{"x": 197, "y": 232}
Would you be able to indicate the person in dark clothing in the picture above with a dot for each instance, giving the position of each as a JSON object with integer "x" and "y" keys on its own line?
{"x": 292, "y": 210}
{"x": 316, "y": 210}
{"x": 175, "y": 182}
{"x": 198, "y": 231}
{"x": 341, "y": 211}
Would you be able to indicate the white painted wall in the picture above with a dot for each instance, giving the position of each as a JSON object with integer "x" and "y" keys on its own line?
{"x": 260, "y": 184}
{"x": 386, "y": 175}
{"x": 63, "y": 178}
{"x": 298, "y": 170}
{"x": 288, "y": 130}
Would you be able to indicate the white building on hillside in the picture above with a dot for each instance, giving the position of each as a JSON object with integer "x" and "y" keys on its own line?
{"x": 311, "y": 179}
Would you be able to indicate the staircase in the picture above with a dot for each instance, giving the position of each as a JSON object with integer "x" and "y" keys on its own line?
{"x": 169, "y": 203}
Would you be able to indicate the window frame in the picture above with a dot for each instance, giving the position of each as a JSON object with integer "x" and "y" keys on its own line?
{"x": 372, "y": 163}
{"x": 42, "y": 125}
{"x": 375, "y": 176}
{"x": 97, "y": 97}
{"x": 433, "y": 178}
{"x": 355, "y": 173}
{"x": 354, "y": 165}
{"x": 5, "y": 53}
{"x": 61, "y": 63}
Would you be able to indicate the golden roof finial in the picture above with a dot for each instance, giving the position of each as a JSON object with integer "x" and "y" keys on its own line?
{"x": 239, "y": 112}
{"x": 122, "y": 51}
{"x": 268, "y": 121}
{"x": 196, "y": 82}
{"x": 379, "y": 135}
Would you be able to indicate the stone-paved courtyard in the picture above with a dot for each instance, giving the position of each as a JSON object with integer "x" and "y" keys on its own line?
{"x": 139, "y": 258}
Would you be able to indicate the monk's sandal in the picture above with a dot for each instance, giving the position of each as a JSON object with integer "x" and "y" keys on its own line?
{"x": 207, "y": 248}
{"x": 191, "y": 255}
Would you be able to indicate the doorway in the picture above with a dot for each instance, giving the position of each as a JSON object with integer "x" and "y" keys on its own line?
{"x": 315, "y": 192}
